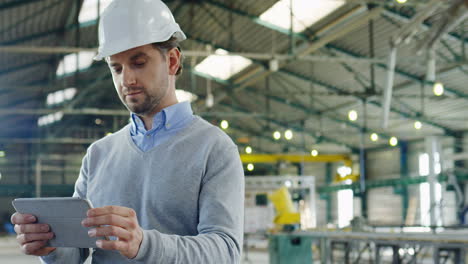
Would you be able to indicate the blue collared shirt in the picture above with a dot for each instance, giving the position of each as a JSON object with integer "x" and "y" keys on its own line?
{"x": 166, "y": 124}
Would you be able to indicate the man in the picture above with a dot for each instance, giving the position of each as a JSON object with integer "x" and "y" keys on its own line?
{"x": 168, "y": 186}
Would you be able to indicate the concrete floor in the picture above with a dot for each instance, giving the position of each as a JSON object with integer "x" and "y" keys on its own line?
{"x": 11, "y": 254}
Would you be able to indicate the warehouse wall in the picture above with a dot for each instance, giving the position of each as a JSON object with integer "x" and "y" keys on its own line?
{"x": 449, "y": 210}
{"x": 18, "y": 167}
{"x": 384, "y": 205}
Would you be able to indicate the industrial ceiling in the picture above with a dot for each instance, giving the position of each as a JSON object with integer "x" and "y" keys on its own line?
{"x": 306, "y": 81}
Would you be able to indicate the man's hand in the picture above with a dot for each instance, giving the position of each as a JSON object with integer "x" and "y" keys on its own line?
{"x": 117, "y": 221}
{"x": 32, "y": 237}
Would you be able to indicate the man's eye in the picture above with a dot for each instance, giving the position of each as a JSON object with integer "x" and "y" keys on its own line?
{"x": 139, "y": 63}
{"x": 117, "y": 70}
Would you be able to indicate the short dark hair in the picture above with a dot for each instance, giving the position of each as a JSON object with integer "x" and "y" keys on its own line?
{"x": 166, "y": 46}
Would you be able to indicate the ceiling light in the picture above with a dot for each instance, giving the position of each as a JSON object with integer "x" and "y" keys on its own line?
{"x": 250, "y": 167}
{"x": 98, "y": 121}
{"x": 288, "y": 134}
{"x": 401, "y": 1}
{"x": 393, "y": 141}
{"x": 438, "y": 89}
{"x": 352, "y": 115}
{"x": 276, "y": 135}
{"x": 314, "y": 153}
{"x": 2, "y": 154}
{"x": 248, "y": 150}
{"x": 374, "y": 137}
{"x": 224, "y": 124}
{"x": 417, "y": 125}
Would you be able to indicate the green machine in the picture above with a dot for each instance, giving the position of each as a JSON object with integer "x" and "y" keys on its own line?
{"x": 290, "y": 249}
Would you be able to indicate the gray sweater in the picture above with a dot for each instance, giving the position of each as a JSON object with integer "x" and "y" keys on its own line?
{"x": 188, "y": 193}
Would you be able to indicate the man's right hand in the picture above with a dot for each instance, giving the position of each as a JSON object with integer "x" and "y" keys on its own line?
{"x": 31, "y": 236}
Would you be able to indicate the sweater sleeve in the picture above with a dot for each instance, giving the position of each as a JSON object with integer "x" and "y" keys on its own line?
{"x": 72, "y": 255}
{"x": 221, "y": 217}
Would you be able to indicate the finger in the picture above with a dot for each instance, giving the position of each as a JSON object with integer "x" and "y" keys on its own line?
{"x": 110, "y": 219}
{"x": 44, "y": 251}
{"x": 31, "y": 248}
{"x": 112, "y": 209}
{"x": 30, "y": 237}
{"x": 116, "y": 231}
{"x": 19, "y": 219}
{"x": 31, "y": 228}
{"x": 119, "y": 245}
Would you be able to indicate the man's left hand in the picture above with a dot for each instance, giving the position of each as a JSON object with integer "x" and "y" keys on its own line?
{"x": 117, "y": 221}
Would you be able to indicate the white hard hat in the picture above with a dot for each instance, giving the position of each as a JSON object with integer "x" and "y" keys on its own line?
{"x": 126, "y": 24}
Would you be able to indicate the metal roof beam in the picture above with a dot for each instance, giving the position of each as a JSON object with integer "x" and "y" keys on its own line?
{"x": 295, "y": 128}
{"x": 17, "y": 3}
{"x": 415, "y": 114}
{"x": 24, "y": 66}
{"x": 339, "y": 90}
{"x": 39, "y": 12}
{"x": 425, "y": 25}
{"x": 401, "y": 72}
{"x": 33, "y": 37}
{"x": 287, "y": 72}
{"x": 259, "y": 72}
{"x": 346, "y": 52}
{"x": 269, "y": 119}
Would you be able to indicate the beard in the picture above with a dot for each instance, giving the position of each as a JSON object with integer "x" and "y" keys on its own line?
{"x": 145, "y": 107}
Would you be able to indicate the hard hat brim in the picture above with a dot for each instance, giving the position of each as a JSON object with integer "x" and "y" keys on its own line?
{"x": 179, "y": 35}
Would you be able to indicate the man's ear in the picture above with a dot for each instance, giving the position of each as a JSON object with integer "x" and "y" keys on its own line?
{"x": 173, "y": 59}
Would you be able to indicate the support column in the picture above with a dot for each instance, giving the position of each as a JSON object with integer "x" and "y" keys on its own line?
{"x": 362, "y": 182}
{"x": 432, "y": 149}
{"x": 460, "y": 201}
{"x": 328, "y": 200}
{"x": 38, "y": 182}
{"x": 404, "y": 173}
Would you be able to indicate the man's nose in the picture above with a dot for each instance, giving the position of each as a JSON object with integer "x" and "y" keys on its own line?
{"x": 128, "y": 77}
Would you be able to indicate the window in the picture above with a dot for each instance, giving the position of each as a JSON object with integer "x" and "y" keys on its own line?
{"x": 49, "y": 119}
{"x": 222, "y": 65}
{"x": 89, "y": 10}
{"x": 345, "y": 207}
{"x": 424, "y": 190}
{"x": 61, "y": 96}
{"x": 185, "y": 96}
{"x": 75, "y": 62}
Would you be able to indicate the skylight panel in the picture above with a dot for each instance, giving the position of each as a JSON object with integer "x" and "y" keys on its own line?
{"x": 89, "y": 10}
{"x": 69, "y": 63}
{"x": 61, "y": 96}
{"x": 185, "y": 96}
{"x": 305, "y": 12}
{"x": 222, "y": 65}
{"x": 49, "y": 119}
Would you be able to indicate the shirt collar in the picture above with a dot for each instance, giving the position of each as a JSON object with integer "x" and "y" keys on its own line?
{"x": 169, "y": 117}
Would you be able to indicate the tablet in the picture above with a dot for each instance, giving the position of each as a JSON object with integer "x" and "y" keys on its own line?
{"x": 63, "y": 215}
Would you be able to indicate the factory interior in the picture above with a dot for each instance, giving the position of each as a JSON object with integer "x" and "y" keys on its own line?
{"x": 350, "y": 117}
